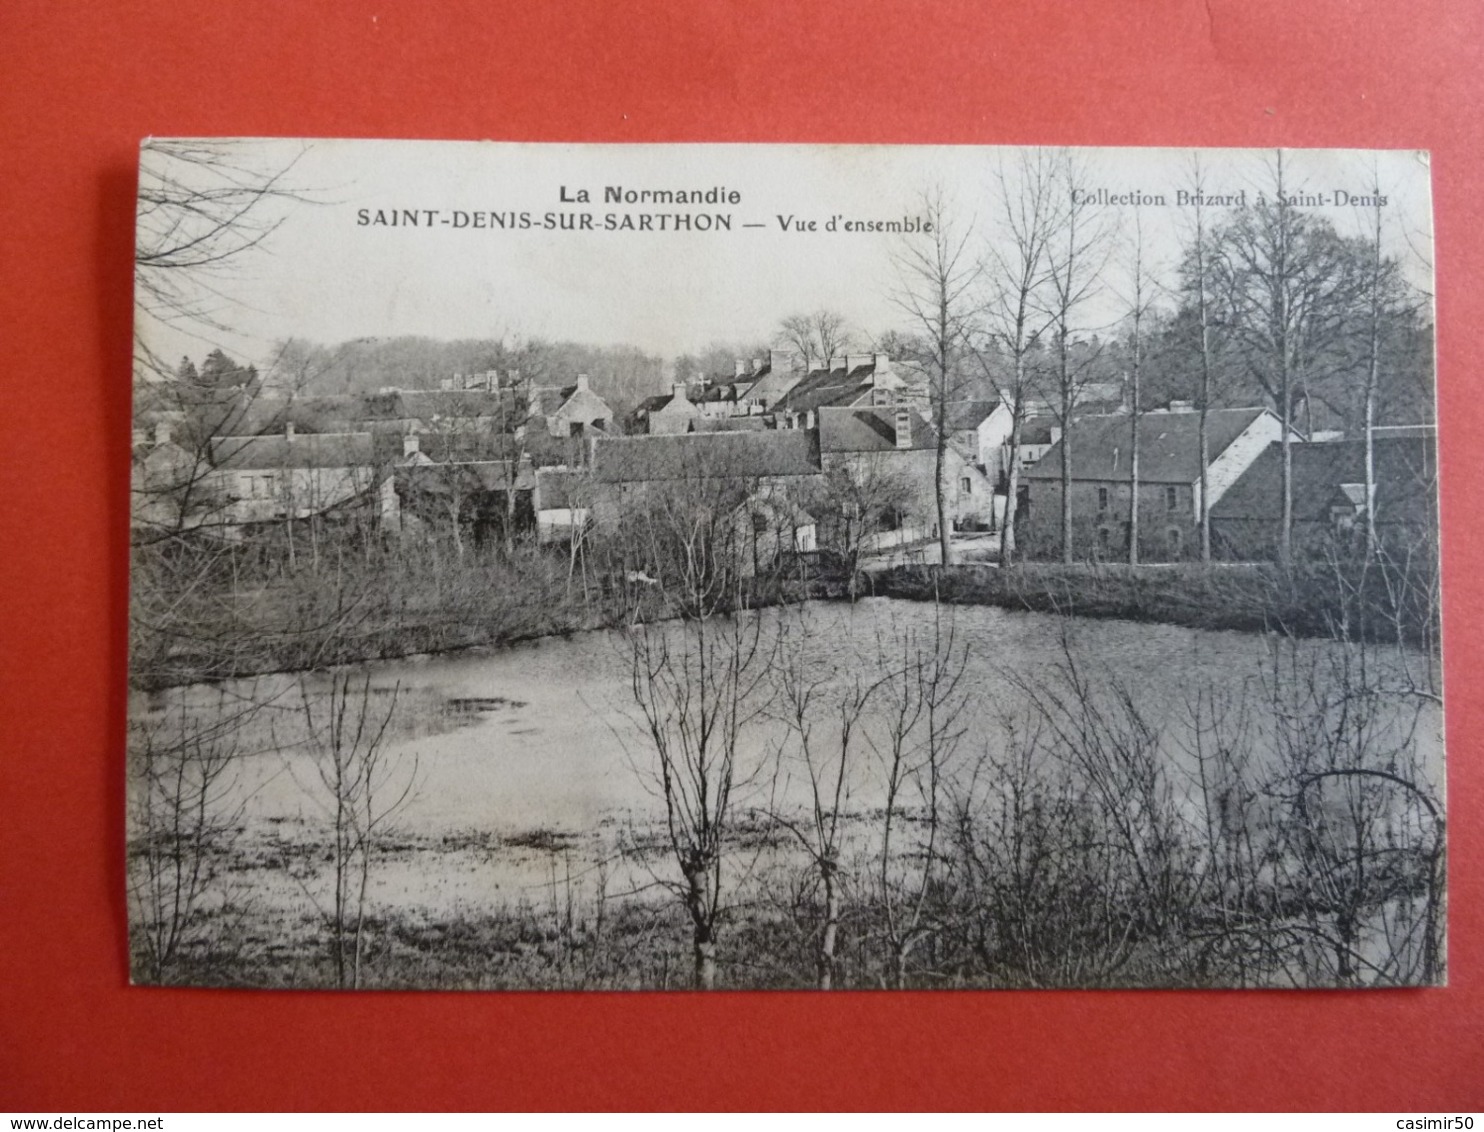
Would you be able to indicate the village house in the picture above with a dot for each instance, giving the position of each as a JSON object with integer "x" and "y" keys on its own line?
{"x": 895, "y": 447}
{"x": 1329, "y": 496}
{"x": 1169, "y": 480}
{"x": 666, "y": 414}
{"x": 719, "y": 399}
{"x": 563, "y": 502}
{"x": 166, "y": 493}
{"x": 288, "y": 476}
{"x": 1037, "y": 435}
{"x": 475, "y": 501}
{"x": 848, "y": 381}
{"x": 978, "y": 428}
{"x": 773, "y": 379}
{"x": 748, "y": 484}
{"x": 573, "y": 410}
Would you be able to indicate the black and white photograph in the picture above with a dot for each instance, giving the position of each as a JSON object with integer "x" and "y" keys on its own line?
{"x": 749, "y": 567}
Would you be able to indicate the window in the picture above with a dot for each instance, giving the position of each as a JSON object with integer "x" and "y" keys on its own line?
{"x": 1103, "y": 539}
{"x": 1172, "y": 540}
{"x": 967, "y": 485}
{"x": 1103, "y": 502}
{"x": 1172, "y": 498}
{"x": 759, "y": 523}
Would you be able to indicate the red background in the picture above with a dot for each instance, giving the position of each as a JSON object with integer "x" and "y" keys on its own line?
{"x": 81, "y": 83}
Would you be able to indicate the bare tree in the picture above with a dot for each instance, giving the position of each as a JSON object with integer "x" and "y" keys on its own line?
{"x": 364, "y": 785}
{"x": 916, "y": 736}
{"x": 185, "y": 806}
{"x": 1287, "y": 287}
{"x": 1077, "y": 251}
{"x": 1017, "y": 268}
{"x": 823, "y": 709}
{"x": 822, "y": 336}
{"x": 700, "y": 682}
{"x": 1198, "y": 281}
{"x": 936, "y": 275}
{"x": 1140, "y": 301}
{"x": 855, "y": 502}
{"x": 203, "y": 206}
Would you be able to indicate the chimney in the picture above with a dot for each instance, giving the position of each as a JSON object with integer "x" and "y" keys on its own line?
{"x": 856, "y": 361}
{"x": 288, "y": 430}
{"x": 677, "y": 391}
{"x": 904, "y": 428}
{"x": 810, "y": 421}
{"x": 757, "y": 364}
{"x": 411, "y": 444}
{"x": 582, "y": 383}
{"x": 881, "y": 361}
{"x": 162, "y": 432}
{"x": 741, "y": 370}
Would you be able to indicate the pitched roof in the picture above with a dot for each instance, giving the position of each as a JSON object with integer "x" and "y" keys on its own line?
{"x": 471, "y": 475}
{"x": 871, "y": 429}
{"x": 429, "y": 404}
{"x": 820, "y": 387}
{"x": 574, "y": 397}
{"x": 728, "y": 424}
{"x": 1038, "y": 430}
{"x": 706, "y": 455}
{"x": 312, "y": 450}
{"x": 965, "y": 415}
{"x": 1405, "y": 478}
{"x": 1169, "y": 445}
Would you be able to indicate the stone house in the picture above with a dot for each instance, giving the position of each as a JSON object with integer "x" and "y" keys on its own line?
{"x": 1169, "y": 481}
{"x": 1329, "y": 497}
{"x": 848, "y": 381}
{"x": 667, "y": 414}
{"x": 742, "y": 488}
{"x": 895, "y": 448}
{"x": 288, "y": 476}
{"x": 574, "y": 410}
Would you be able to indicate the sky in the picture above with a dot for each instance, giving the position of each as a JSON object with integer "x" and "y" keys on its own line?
{"x": 343, "y": 263}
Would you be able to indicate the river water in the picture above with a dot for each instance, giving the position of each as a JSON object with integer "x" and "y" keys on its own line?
{"x": 544, "y": 736}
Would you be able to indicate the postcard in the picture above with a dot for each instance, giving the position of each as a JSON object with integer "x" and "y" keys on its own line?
{"x": 754, "y": 566}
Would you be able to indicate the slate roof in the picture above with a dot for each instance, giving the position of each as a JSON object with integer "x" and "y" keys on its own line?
{"x": 633, "y": 459}
{"x": 574, "y": 397}
{"x": 964, "y": 416}
{"x": 313, "y": 450}
{"x": 465, "y": 404}
{"x": 480, "y": 475}
{"x": 868, "y": 429}
{"x": 1037, "y": 430}
{"x": 728, "y": 424}
{"x": 821, "y": 387}
{"x": 1169, "y": 447}
{"x": 1405, "y": 477}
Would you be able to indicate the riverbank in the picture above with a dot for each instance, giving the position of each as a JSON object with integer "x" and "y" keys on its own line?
{"x": 1373, "y": 603}
{"x": 219, "y": 628}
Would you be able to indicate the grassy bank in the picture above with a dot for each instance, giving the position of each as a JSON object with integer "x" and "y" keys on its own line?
{"x": 203, "y": 616}
{"x": 1376, "y": 602}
